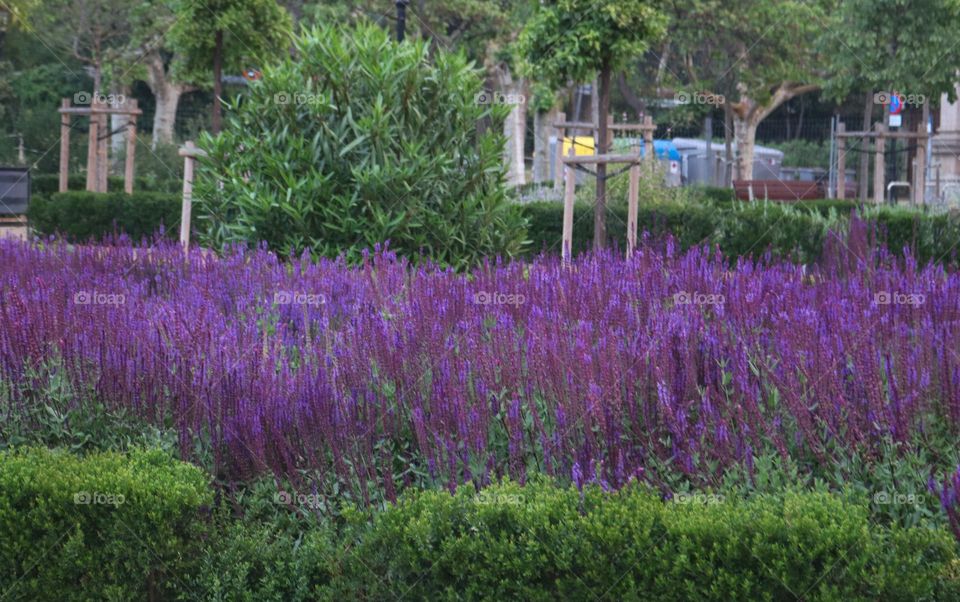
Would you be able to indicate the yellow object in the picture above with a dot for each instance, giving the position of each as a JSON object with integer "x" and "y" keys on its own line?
{"x": 584, "y": 145}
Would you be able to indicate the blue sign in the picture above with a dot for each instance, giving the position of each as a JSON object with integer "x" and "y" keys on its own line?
{"x": 896, "y": 104}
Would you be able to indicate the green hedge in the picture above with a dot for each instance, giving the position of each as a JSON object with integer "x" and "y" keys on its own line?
{"x": 542, "y": 542}
{"x": 104, "y": 527}
{"x": 131, "y": 527}
{"x": 85, "y": 215}
{"x": 795, "y": 230}
{"x": 45, "y": 184}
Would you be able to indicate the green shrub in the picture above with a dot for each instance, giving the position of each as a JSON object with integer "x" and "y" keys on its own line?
{"x": 84, "y": 215}
{"x": 255, "y": 563}
{"x": 103, "y": 527}
{"x": 543, "y": 542}
{"x": 45, "y": 184}
{"x": 356, "y": 141}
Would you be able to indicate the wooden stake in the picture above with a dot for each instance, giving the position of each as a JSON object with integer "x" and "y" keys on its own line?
{"x": 103, "y": 142}
{"x": 568, "y": 198}
{"x": 633, "y": 193}
{"x": 64, "y": 147}
{"x": 558, "y": 168}
{"x": 128, "y": 166}
{"x": 188, "y": 158}
{"x": 841, "y": 162}
{"x": 919, "y": 179}
{"x": 92, "y": 152}
{"x": 878, "y": 167}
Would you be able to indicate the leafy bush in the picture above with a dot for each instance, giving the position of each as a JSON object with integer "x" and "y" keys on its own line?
{"x": 45, "y": 184}
{"x": 542, "y": 542}
{"x": 357, "y": 141}
{"x": 103, "y": 527}
{"x": 255, "y": 563}
{"x": 88, "y": 215}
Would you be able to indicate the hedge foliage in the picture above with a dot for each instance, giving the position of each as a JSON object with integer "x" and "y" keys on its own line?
{"x": 102, "y": 527}
{"x": 134, "y": 527}
{"x": 45, "y": 184}
{"x": 88, "y": 215}
{"x": 542, "y": 542}
{"x": 796, "y": 231}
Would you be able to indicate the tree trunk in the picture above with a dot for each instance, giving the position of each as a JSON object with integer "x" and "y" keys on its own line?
{"x": 515, "y": 131}
{"x": 747, "y": 116}
{"x": 745, "y": 132}
{"x": 217, "y": 81}
{"x": 542, "y": 129}
{"x": 600, "y": 208}
{"x": 863, "y": 174}
{"x": 167, "y": 95}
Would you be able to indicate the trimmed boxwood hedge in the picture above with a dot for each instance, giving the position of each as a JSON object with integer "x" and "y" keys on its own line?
{"x": 109, "y": 526}
{"x": 103, "y": 527}
{"x": 796, "y": 230}
{"x": 81, "y": 216}
{"x": 543, "y": 542}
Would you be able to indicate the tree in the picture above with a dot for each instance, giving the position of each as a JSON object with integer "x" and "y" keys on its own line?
{"x": 757, "y": 55}
{"x": 915, "y": 53}
{"x": 213, "y": 35}
{"x": 91, "y": 31}
{"x": 577, "y": 39}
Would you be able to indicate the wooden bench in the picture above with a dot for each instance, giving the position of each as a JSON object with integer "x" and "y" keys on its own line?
{"x": 785, "y": 190}
{"x": 778, "y": 190}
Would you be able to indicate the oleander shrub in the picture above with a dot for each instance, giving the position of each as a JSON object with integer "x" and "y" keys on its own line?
{"x": 106, "y": 526}
{"x": 544, "y": 542}
{"x": 82, "y": 216}
{"x": 357, "y": 141}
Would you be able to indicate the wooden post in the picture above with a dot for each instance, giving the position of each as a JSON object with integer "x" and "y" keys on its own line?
{"x": 64, "y": 146}
{"x": 632, "y": 193}
{"x": 648, "y": 141}
{"x": 841, "y": 161}
{"x": 568, "y": 198}
{"x": 919, "y": 178}
{"x": 878, "y": 167}
{"x": 128, "y": 165}
{"x": 188, "y": 154}
{"x": 103, "y": 142}
{"x": 558, "y": 170}
{"x": 92, "y": 151}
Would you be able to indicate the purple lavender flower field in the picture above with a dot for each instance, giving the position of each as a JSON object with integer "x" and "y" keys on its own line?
{"x": 383, "y": 376}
